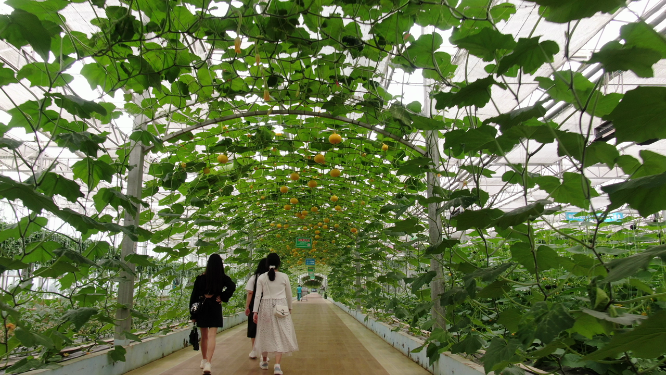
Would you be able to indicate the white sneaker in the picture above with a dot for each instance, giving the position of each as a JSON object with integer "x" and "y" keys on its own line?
{"x": 206, "y": 369}
{"x": 203, "y": 362}
{"x": 253, "y": 355}
{"x": 277, "y": 370}
{"x": 263, "y": 365}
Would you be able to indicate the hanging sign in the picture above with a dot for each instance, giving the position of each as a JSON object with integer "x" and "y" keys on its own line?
{"x": 311, "y": 269}
{"x": 303, "y": 243}
{"x": 309, "y": 261}
{"x": 576, "y": 216}
{"x": 312, "y": 275}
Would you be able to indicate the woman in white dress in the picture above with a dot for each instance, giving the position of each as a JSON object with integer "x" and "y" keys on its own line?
{"x": 274, "y": 334}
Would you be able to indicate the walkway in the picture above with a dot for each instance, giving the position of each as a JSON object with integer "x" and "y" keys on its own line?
{"x": 331, "y": 343}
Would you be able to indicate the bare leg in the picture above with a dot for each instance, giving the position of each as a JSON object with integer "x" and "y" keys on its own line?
{"x": 204, "y": 342}
{"x": 278, "y": 358}
{"x": 264, "y": 355}
{"x": 212, "y": 332}
{"x": 252, "y": 343}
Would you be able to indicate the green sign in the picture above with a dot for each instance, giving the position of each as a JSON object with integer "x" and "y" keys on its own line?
{"x": 311, "y": 268}
{"x": 312, "y": 275}
{"x": 303, "y": 243}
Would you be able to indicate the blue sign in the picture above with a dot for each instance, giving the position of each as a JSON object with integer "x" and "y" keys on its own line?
{"x": 613, "y": 216}
{"x": 309, "y": 261}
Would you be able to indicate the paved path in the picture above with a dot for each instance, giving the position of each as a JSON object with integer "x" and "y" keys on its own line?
{"x": 331, "y": 343}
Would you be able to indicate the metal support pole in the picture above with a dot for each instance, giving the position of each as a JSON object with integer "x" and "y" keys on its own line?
{"x": 126, "y": 285}
{"x": 437, "y": 311}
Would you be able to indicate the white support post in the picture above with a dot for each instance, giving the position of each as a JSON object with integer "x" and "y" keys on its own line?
{"x": 438, "y": 312}
{"x": 126, "y": 285}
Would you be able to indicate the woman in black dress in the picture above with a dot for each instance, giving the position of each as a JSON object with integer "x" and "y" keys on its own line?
{"x": 251, "y": 289}
{"x": 212, "y": 288}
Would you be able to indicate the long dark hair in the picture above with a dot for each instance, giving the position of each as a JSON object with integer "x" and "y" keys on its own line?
{"x": 215, "y": 277}
{"x": 272, "y": 260}
{"x": 261, "y": 267}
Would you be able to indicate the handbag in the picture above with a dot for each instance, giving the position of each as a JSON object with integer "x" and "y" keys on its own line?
{"x": 280, "y": 311}
{"x": 194, "y": 338}
{"x": 195, "y": 309}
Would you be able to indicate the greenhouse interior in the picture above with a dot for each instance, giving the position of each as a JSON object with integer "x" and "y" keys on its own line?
{"x": 485, "y": 179}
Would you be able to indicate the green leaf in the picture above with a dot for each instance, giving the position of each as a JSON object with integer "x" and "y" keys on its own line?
{"x": 642, "y": 35}
{"x": 40, "y": 252}
{"x": 24, "y": 228}
{"x": 529, "y": 54}
{"x": 57, "y": 269}
{"x": 641, "y": 115}
{"x": 645, "y": 194}
{"x": 79, "y": 317}
{"x": 45, "y": 75}
{"x": 521, "y": 215}
{"x": 510, "y": 318}
{"x": 625, "y": 267}
{"x": 92, "y": 171}
{"x": 502, "y": 12}
{"x": 485, "y": 43}
{"x": 470, "y": 345}
{"x": 410, "y": 225}
{"x": 9, "y": 143}
{"x": 500, "y": 354}
{"x": 117, "y": 354}
{"x": 78, "y": 106}
{"x": 626, "y": 319}
{"x": 563, "y": 11}
{"x": 439, "y": 249}
{"x": 11, "y": 264}
{"x": 21, "y": 28}
{"x": 517, "y": 117}
{"x": 476, "y": 93}
{"x": 648, "y": 340}
{"x": 615, "y": 56}
{"x": 552, "y": 323}
{"x": 52, "y": 183}
{"x": 113, "y": 197}
{"x": 35, "y": 201}
{"x": 574, "y": 189}
{"x": 140, "y": 260}
{"x": 653, "y": 163}
{"x": 147, "y": 138}
{"x": 477, "y": 219}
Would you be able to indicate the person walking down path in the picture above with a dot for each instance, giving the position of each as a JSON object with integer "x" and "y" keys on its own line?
{"x": 212, "y": 288}
{"x": 251, "y": 289}
{"x": 299, "y": 292}
{"x": 274, "y": 334}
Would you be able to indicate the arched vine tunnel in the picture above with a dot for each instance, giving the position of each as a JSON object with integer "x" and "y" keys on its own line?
{"x": 488, "y": 173}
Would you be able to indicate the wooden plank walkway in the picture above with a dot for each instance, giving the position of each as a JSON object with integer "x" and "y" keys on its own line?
{"x": 330, "y": 341}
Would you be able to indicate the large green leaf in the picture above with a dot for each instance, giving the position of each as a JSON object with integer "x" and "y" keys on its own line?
{"x": 615, "y": 56}
{"x": 21, "y": 28}
{"x": 500, "y": 354}
{"x": 550, "y": 324}
{"x": 625, "y": 267}
{"x": 92, "y": 171}
{"x": 25, "y": 227}
{"x": 52, "y": 183}
{"x": 648, "y": 340}
{"x": 79, "y": 317}
{"x": 529, "y": 54}
{"x": 575, "y": 189}
{"x": 470, "y": 345}
{"x": 477, "y": 219}
{"x": 35, "y": 201}
{"x": 563, "y": 11}
{"x": 645, "y": 194}
{"x": 485, "y": 43}
{"x": 476, "y": 93}
{"x": 641, "y": 115}
{"x": 522, "y": 214}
